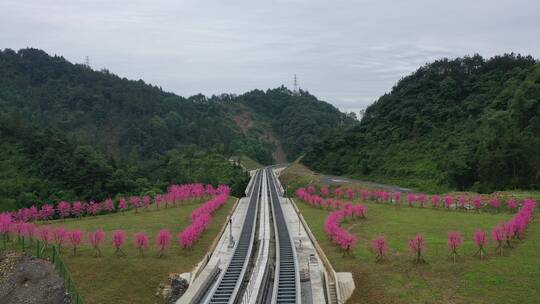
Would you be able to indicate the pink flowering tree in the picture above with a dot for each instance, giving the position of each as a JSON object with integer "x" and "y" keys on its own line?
{"x": 141, "y": 242}
{"x": 64, "y": 209}
{"x": 135, "y": 203}
{"x": 78, "y": 209}
{"x": 122, "y": 204}
{"x": 163, "y": 240}
{"x": 380, "y": 247}
{"x": 480, "y": 240}
{"x": 477, "y": 203}
{"x": 417, "y": 246}
{"x": 95, "y": 239}
{"x": 108, "y": 205}
{"x": 495, "y": 203}
{"x": 512, "y": 204}
{"x": 75, "y": 239}
{"x": 93, "y": 208}
{"x": 46, "y": 212}
{"x": 45, "y": 236}
{"x": 60, "y": 235}
{"x": 325, "y": 191}
{"x": 509, "y": 232}
{"x": 397, "y": 197}
{"x": 118, "y": 240}
{"x": 411, "y": 198}
{"x": 421, "y": 199}
{"x": 435, "y": 200}
{"x": 454, "y": 241}
{"x": 147, "y": 201}
{"x": 498, "y": 236}
{"x": 463, "y": 202}
{"x": 448, "y": 201}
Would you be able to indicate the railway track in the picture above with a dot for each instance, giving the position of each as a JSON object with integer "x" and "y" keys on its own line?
{"x": 281, "y": 288}
{"x": 287, "y": 277}
{"x": 227, "y": 288}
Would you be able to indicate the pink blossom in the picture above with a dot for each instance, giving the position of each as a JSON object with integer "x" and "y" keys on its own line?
{"x": 324, "y": 191}
{"x": 498, "y": 236}
{"x": 141, "y": 241}
{"x": 448, "y": 201}
{"x": 45, "y": 236}
{"x": 435, "y": 200}
{"x": 96, "y": 239}
{"x": 454, "y": 241}
{"x": 122, "y": 204}
{"x": 118, "y": 240}
{"x": 338, "y": 192}
{"x": 75, "y": 238}
{"x": 477, "y": 203}
{"x": 135, "y": 202}
{"x": 93, "y": 208}
{"x": 411, "y": 197}
{"x": 64, "y": 209}
{"x": 60, "y": 235}
{"x": 163, "y": 239}
{"x": 380, "y": 247}
{"x": 147, "y": 201}
{"x": 495, "y": 203}
{"x": 512, "y": 204}
{"x": 46, "y": 212}
{"x": 417, "y": 246}
{"x": 78, "y": 209}
{"x": 108, "y": 205}
{"x": 462, "y": 202}
{"x": 421, "y": 199}
{"x": 480, "y": 240}
{"x": 397, "y": 197}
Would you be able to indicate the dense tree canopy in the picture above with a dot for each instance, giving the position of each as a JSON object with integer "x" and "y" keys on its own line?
{"x": 69, "y": 132}
{"x": 467, "y": 123}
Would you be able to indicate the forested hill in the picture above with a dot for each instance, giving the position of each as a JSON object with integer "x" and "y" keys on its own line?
{"x": 467, "y": 123}
{"x": 122, "y": 117}
{"x": 69, "y": 132}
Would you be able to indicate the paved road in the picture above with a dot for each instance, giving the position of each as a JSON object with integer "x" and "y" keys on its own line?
{"x": 336, "y": 180}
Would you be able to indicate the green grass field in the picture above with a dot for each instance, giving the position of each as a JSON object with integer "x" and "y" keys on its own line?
{"x": 135, "y": 279}
{"x": 249, "y": 163}
{"x": 512, "y": 278}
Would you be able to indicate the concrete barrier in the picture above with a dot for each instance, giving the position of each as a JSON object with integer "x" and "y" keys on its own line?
{"x": 331, "y": 276}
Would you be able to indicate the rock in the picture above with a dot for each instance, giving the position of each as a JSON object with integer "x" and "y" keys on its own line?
{"x": 27, "y": 280}
{"x": 178, "y": 286}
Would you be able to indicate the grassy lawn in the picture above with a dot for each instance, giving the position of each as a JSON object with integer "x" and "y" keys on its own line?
{"x": 249, "y": 163}
{"x": 512, "y": 278}
{"x": 133, "y": 279}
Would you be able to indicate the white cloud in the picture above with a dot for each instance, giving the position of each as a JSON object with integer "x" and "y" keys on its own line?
{"x": 346, "y": 52}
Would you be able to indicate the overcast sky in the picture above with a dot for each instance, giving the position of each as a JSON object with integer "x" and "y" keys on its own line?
{"x": 345, "y": 52}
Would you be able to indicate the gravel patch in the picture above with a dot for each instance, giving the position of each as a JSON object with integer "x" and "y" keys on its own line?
{"x": 27, "y": 280}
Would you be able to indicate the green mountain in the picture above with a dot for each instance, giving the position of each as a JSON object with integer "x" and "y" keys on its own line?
{"x": 467, "y": 123}
{"x": 71, "y": 132}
